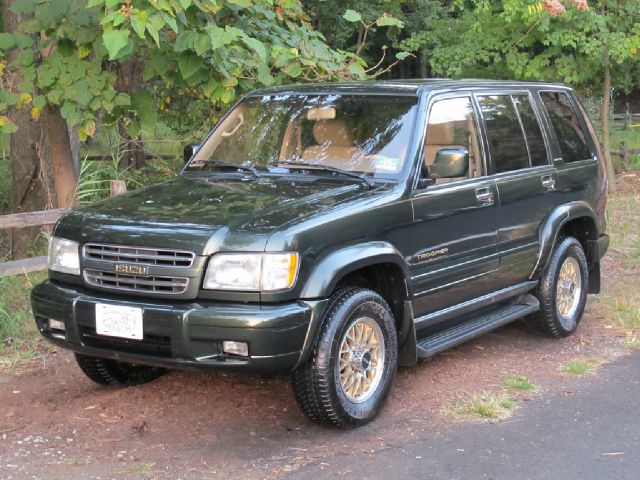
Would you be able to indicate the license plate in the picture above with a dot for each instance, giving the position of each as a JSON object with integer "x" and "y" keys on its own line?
{"x": 119, "y": 321}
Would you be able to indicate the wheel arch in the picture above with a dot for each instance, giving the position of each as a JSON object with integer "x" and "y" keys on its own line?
{"x": 576, "y": 219}
{"x": 378, "y": 266}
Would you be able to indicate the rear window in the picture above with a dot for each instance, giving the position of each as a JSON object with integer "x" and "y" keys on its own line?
{"x": 508, "y": 147}
{"x": 570, "y": 131}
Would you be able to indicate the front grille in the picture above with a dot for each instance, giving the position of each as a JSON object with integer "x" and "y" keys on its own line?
{"x": 156, "y": 345}
{"x": 146, "y": 255}
{"x": 136, "y": 283}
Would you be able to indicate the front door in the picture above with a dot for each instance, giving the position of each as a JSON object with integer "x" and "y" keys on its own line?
{"x": 454, "y": 255}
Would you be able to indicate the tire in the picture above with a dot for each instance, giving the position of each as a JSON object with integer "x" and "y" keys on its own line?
{"x": 561, "y": 307}
{"x": 362, "y": 316}
{"x": 111, "y": 372}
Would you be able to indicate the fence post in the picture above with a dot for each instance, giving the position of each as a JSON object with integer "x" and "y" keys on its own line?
{"x": 625, "y": 155}
{"x": 627, "y": 116}
{"x": 117, "y": 187}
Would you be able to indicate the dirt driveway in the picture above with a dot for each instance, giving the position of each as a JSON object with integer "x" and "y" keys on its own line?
{"x": 56, "y": 424}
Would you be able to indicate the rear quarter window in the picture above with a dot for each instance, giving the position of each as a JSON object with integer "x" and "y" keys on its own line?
{"x": 569, "y": 129}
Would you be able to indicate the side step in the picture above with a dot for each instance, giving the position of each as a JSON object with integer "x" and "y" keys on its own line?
{"x": 429, "y": 346}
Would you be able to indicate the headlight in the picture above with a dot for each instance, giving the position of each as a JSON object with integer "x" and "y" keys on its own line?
{"x": 251, "y": 271}
{"x": 64, "y": 256}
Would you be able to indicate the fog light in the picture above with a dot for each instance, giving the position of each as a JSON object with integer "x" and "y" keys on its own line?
{"x": 235, "y": 348}
{"x": 56, "y": 325}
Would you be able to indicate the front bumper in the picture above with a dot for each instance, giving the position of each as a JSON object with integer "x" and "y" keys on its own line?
{"x": 179, "y": 334}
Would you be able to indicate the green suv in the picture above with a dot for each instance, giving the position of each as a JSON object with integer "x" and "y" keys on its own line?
{"x": 334, "y": 232}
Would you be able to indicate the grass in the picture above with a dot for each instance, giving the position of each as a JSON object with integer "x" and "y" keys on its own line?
{"x": 632, "y": 138}
{"x": 626, "y": 312}
{"x": 623, "y": 216}
{"x": 142, "y": 469}
{"x": 620, "y": 303}
{"x": 632, "y": 343}
{"x": 77, "y": 462}
{"x": 17, "y": 328}
{"x": 96, "y": 176}
{"x": 580, "y": 367}
{"x": 481, "y": 406}
{"x": 621, "y": 309}
{"x": 518, "y": 383}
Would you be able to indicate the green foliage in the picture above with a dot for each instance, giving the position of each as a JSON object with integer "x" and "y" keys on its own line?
{"x": 386, "y": 24}
{"x": 96, "y": 176}
{"x": 521, "y": 39}
{"x": 16, "y": 320}
{"x": 352, "y": 16}
{"x": 198, "y": 57}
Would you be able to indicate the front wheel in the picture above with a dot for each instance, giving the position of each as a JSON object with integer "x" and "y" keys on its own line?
{"x": 562, "y": 291}
{"x": 348, "y": 378}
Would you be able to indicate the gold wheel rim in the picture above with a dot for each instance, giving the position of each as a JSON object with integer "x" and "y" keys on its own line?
{"x": 568, "y": 291}
{"x": 361, "y": 359}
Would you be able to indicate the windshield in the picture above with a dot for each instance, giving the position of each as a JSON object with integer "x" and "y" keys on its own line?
{"x": 367, "y": 135}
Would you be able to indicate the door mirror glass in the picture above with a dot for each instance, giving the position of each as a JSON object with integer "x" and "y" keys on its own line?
{"x": 450, "y": 163}
{"x": 189, "y": 151}
{"x": 451, "y": 138}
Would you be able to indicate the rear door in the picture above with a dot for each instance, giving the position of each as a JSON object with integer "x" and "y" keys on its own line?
{"x": 575, "y": 154}
{"x": 525, "y": 178}
{"x": 453, "y": 236}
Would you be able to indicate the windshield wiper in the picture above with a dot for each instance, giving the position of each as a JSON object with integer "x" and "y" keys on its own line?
{"x": 319, "y": 166}
{"x": 220, "y": 163}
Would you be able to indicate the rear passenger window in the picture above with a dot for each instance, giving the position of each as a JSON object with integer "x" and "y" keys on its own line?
{"x": 533, "y": 133}
{"x": 566, "y": 123}
{"x": 508, "y": 147}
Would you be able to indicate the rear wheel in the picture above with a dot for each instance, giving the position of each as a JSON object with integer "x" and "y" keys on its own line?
{"x": 112, "y": 372}
{"x": 348, "y": 378}
{"x": 562, "y": 291}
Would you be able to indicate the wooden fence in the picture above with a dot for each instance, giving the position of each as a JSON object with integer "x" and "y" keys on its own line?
{"x": 627, "y": 120}
{"x": 101, "y": 158}
{"x": 37, "y": 219}
{"x": 625, "y": 153}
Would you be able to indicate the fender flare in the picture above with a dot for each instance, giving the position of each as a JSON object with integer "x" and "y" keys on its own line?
{"x": 333, "y": 267}
{"x": 548, "y": 231}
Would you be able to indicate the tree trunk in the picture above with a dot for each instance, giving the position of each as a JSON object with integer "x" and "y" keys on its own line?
{"x": 423, "y": 63}
{"x": 74, "y": 143}
{"x": 30, "y": 186}
{"x": 129, "y": 81}
{"x": 59, "y": 150}
{"x": 604, "y": 115}
{"x": 32, "y": 189}
{"x": 37, "y": 150}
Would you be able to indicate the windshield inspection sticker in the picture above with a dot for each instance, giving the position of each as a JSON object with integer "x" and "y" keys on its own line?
{"x": 387, "y": 164}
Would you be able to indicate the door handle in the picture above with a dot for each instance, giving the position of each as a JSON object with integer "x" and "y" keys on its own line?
{"x": 484, "y": 195}
{"x": 548, "y": 182}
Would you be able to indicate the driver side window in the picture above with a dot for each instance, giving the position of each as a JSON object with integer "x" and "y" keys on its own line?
{"x": 452, "y": 126}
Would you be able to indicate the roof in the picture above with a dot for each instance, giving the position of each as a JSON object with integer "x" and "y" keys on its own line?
{"x": 400, "y": 87}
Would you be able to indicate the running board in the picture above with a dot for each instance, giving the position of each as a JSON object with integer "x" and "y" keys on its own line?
{"x": 429, "y": 346}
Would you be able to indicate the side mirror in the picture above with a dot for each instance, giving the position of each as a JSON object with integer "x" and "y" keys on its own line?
{"x": 450, "y": 163}
{"x": 189, "y": 151}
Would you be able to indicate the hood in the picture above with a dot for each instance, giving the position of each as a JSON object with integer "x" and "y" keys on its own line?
{"x": 204, "y": 215}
